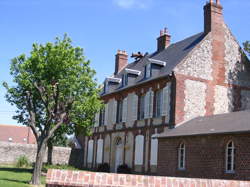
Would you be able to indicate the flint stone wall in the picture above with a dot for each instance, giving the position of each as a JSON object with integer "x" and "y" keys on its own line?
{"x": 9, "y": 153}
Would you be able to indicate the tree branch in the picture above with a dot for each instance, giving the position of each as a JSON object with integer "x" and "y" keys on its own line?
{"x": 32, "y": 121}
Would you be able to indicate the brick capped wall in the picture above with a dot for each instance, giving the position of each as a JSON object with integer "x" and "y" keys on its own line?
{"x": 64, "y": 178}
{"x": 205, "y": 157}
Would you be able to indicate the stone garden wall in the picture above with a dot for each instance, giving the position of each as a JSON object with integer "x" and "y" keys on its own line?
{"x": 9, "y": 152}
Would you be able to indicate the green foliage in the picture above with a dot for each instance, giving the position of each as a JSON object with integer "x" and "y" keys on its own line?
{"x": 54, "y": 92}
{"x": 65, "y": 167}
{"x": 54, "y": 87}
{"x": 247, "y": 47}
{"x": 22, "y": 162}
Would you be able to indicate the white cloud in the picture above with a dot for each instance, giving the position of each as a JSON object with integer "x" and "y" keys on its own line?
{"x": 128, "y": 4}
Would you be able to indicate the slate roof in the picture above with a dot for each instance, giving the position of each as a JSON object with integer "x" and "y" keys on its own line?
{"x": 172, "y": 55}
{"x": 230, "y": 123}
{"x": 16, "y": 134}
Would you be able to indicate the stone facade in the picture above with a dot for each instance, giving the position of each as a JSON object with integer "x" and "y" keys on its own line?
{"x": 195, "y": 95}
{"x": 10, "y": 152}
{"x": 210, "y": 79}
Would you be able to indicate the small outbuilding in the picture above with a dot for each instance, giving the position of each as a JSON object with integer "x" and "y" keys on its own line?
{"x": 216, "y": 146}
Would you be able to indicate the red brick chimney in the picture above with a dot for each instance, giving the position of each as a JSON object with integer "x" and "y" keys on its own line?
{"x": 121, "y": 61}
{"x": 164, "y": 40}
{"x": 213, "y": 16}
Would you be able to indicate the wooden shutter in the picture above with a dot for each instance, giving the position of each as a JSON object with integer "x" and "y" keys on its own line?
{"x": 154, "y": 151}
{"x": 90, "y": 151}
{"x": 134, "y": 107}
{"x": 114, "y": 111}
{"x": 106, "y": 114}
{"x": 97, "y": 117}
{"x": 139, "y": 150}
{"x": 151, "y": 103}
{"x": 147, "y": 105}
{"x": 166, "y": 99}
{"x": 99, "y": 151}
{"x": 124, "y": 109}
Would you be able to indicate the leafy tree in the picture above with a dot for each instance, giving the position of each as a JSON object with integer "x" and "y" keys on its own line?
{"x": 247, "y": 47}
{"x": 54, "y": 86}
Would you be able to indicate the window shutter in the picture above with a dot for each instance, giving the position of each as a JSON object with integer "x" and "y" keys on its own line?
{"x": 154, "y": 151}
{"x": 151, "y": 103}
{"x": 146, "y": 105}
{"x": 139, "y": 150}
{"x": 106, "y": 114}
{"x": 166, "y": 99}
{"x": 99, "y": 151}
{"x": 90, "y": 151}
{"x": 125, "y": 109}
{"x": 97, "y": 116}
{"x": 114, "y": 111}
{"x": 134, "y": 107}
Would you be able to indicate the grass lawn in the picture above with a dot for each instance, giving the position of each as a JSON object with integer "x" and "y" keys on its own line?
{"x": 16, "y": 177}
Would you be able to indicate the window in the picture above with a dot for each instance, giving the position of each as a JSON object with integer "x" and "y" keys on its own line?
{"x": 102, "y": 117}
{"x": 158, "y": 103}
{"x": 105, "y": 87}
{"x": 124, "y": 80}
{"x": 119, "y": 111}
{"x": 181, "y": 156}
{"x": 230, "y": 155}
{"x": 141, "y": 107}
{"x": 147, "y": 71}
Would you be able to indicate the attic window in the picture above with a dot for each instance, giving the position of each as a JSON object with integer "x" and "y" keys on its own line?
{"x": 132, "y": 71}
{"x": 124, "y": 80}
{"x": 157, "y": 62}
{"x": 148, "y": 71}
{"x": 10, "y": 139}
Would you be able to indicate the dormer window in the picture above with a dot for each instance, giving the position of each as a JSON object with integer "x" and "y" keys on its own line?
{"x": 110, "y": 81}
{"x": 124, "y": 80}
{"x": 105, "y": 88}
{"x": 148, "y": 71}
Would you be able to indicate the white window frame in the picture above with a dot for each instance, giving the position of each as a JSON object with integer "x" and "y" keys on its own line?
{"x": 181, "y": 156}
{"x": 232, "y": 159}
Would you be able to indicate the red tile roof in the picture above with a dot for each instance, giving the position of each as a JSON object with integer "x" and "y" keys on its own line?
{"x": 17, "y": 134}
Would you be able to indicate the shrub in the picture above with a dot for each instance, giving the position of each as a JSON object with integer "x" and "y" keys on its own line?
{"x": 103, "y": 168}
{"x": 22, "y": 162}
{"x": 124, "y": 169}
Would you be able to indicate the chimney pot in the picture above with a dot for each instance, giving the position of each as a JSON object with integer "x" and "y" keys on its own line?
{"x": 163, "y": 41}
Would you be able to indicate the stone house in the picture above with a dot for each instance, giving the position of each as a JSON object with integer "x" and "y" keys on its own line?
{"x": 203, "y": 75}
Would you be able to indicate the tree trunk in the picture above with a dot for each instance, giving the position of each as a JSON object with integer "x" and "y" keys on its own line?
{"x": 41, "y": 149}
{"x": 50, "y": 152}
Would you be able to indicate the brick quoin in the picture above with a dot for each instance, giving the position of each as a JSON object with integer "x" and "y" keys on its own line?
{"x": 64, "y": 178}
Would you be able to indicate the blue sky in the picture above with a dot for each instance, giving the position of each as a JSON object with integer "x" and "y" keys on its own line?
{"x": 103, "y": 26}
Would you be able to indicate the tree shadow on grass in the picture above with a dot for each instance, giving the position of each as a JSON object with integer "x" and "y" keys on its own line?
{"x": 17, "y": 181}
{"x": 16, "y": 170}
